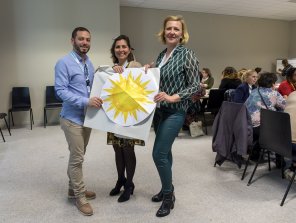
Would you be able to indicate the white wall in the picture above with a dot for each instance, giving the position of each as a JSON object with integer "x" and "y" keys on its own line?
{"x": 292, "y": 53}
{"x": 36, "y": 33}
{"x": 218, "y": 40}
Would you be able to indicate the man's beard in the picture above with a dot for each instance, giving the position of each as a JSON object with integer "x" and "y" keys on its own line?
{"x": 79, "y": 51}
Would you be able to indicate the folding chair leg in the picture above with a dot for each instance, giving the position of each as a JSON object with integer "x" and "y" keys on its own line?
{"x": 288, "y": 189}
{"x": 31, "y": 118}
{"x": 282, "y": 167}
{"x": 255, "y": 168}
{"x": 2, "y": 135}
{"x": 9, "y": 119}
{"x": 12, "y": 118}
{"x": 268, "y": 155}
{"x": 246, "y": 167}
{"x": 215, "y": 164}
{"x": 8, "y": 128}
{"x": 44, "y": 117}
{"x": 204, "y": 117}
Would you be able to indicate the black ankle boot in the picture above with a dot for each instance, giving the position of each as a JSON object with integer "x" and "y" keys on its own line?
{"x": 167, "y": 204}
{"x": 128, "y": 190}
{"x": 116, "y": 189}
{"x": 159, "y": 197}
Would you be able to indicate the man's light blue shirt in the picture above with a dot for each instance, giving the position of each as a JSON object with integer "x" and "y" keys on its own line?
{"x": 70, "y": 86}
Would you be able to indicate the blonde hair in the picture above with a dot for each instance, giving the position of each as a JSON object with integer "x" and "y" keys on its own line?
{"x": 247, "y": 74}
{"x": 185, "y": 34}
{"x": 241, "y": 73}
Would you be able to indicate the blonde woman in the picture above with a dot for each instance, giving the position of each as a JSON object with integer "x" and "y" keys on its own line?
{"x": 243, "y": 91}
{"x": 178, "y": 82}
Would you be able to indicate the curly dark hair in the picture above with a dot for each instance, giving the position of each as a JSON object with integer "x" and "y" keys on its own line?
{"x": 290, "y": 74}
{"x": 112, "y": 50}
{"x": 229, "y": 72}
{"x": 267, "y": 79}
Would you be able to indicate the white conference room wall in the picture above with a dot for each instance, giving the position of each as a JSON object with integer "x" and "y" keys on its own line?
{"x": 36, "y": 33}
{"x": 292, "y": 53}
{"x": 218, "y": 40}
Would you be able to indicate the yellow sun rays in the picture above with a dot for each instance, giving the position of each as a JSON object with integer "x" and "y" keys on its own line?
{"x": 127, "y": 96}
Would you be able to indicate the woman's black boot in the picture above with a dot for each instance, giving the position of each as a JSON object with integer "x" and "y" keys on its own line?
{"x": 116, "y": 189}
{"x": 159, "y": 197}
{"x": 128, "y": 190}
{"x": 167, "y": 204}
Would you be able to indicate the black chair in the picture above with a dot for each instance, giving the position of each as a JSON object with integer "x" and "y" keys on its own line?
{"x": 51, "y": 102}
{"x": 21, "y": 101}
{"x": 2, "y": 116}
{"x": 275, "y": 136}
{"x": 216, "y": 98}
{"x": 249, "y": 157}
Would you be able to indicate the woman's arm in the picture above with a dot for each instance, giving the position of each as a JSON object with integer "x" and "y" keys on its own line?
{"x": 210, "y": 82}
{"x": 191, "y": 76}
{"x": 280, "y": 101}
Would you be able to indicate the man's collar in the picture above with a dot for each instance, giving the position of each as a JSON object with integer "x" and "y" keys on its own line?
{"x": 79, "y": 57}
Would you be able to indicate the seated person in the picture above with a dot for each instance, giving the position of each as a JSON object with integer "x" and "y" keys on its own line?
{"x": 287, "y": 67}
{"x": 291, "y": 110}
{"x": 265, "y": 96}
{"x": 243, "y": 91}
{"x": 230, "y": 79}
{"x": 258, "y": 69}
{"x": 241, "y": 73}
{"x": 206, "y": 79}
{"x": 289, "y": 85}
{"x": 207, "y": 82}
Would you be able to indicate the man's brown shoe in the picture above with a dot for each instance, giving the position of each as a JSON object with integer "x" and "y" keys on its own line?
{"x": 89, "y": 195}
{"x": 84, "y": 207}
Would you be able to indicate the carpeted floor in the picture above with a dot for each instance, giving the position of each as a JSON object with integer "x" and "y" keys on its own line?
{"x": 33, "y": 183}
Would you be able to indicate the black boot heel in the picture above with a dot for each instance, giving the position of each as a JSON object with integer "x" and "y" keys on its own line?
{"x": 128, "y": 191}
{"x": 116, "y": 189}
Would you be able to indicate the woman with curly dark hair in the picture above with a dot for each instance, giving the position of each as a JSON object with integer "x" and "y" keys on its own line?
{"x": 230, "y": 79}
{"x": 125, "y": 158}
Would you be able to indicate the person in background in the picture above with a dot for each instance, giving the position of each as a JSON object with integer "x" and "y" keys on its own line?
{"x": 264, "y": 96}
{"x": 241, "y": 73}
{"x": 258, "y": 69}
{"x": 230, "y": 79}
{"x": 179, "y": 80}
{"x": 74, "y": 75}
{"x": 291, "y": 110}
{"x": 125, "y": 157}
{"x": 288, "y": 85}
{"x": 286, "y": 68}
{"x": 207, "y": 81}
{"x": 243, "y": 91}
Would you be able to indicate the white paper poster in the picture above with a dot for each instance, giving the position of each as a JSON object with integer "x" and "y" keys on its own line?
{"x": 128, "y": 106}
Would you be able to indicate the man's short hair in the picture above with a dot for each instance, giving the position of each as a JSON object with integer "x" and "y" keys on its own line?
{"x": 77, "y": 29}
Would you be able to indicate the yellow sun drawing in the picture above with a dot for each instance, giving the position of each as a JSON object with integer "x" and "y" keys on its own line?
{"x": 127, "y": 96}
